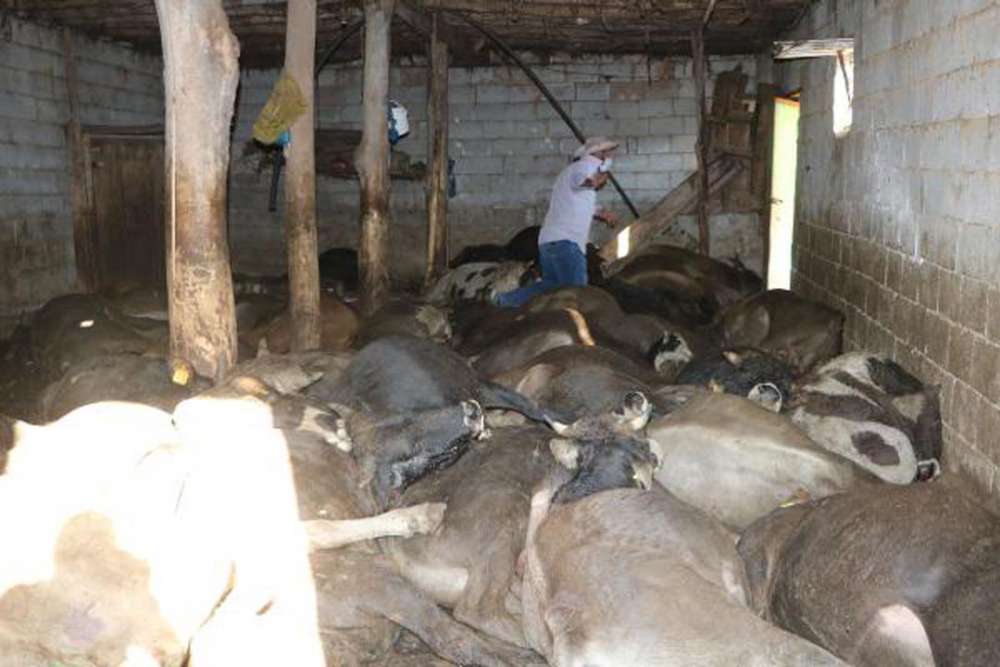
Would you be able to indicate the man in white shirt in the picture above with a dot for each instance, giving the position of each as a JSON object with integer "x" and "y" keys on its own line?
{"x": 562, "y": 241}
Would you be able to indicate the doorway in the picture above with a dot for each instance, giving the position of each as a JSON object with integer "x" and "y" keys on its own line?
{"x": 783, "y": 173}
{"x": 126, "y": 210}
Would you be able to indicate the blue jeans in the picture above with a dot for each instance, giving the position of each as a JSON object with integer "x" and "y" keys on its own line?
{"x": 563, "y": 265}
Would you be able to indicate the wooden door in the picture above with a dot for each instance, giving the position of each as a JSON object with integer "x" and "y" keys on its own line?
{"x": 127, "y": 211}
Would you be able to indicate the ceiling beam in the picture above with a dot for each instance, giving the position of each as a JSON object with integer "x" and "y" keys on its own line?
{"x": 811, "y": 48}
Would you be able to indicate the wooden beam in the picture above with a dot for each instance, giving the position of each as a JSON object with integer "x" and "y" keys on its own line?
{"x": 420, "y": 22}
{"x": 372, "y": 159}
{"x": 84, "y": 243}
{"x": 678, "y": 201}
{"x": 811, "y": 48}
{"x": 701, "y": 148}
{"x": 200, "y": 71}
{"x": 437, "y": 154}
{"x": 300, "y": 182}
{"x": 708, "y": 13}
{"x": 760, "y": 169}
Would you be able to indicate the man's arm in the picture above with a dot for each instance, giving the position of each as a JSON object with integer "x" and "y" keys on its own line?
{"x": 606, "y": 216}
{"x": 597, "y": 180}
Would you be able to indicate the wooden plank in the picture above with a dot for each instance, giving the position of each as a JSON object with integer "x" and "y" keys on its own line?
{"x": 373, "y": 159}
{"x": 678, "y": 201}
{"x": 701, "y": 148}
{"x": 437, "y": 154}
{"x": 760, "y": 169}
{"x": 300, "y": 183}
{"x": 83, "y": 238}
{"x": 811, "y": 48}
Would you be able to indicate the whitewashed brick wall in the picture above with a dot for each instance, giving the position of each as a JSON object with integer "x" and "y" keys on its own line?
{"x": 898, "y": 223}
{"x": 117, "y": 86}
{"x": 509, "y": 145}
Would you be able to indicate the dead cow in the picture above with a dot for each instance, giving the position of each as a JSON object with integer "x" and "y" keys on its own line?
{"x": 737, "y": 461}
{"x": 801, "y": 333}
{"x": 887, "y": 576}
{"x": 617, "y": 575}
{"x": 476, "y": 281}
{"x": 130, "y": 542}
{"x": 868, "y": 409}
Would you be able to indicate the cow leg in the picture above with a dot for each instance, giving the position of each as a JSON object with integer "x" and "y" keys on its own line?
{"x": 404, "y": 522}
{"x": 485, "y": 603}
{"x": 378, "y": 589}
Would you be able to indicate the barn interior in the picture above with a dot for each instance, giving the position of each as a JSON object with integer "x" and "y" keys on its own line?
{"x": 804, "y": 180}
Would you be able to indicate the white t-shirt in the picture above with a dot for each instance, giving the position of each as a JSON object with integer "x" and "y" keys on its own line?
{"x": 572, "y": 205}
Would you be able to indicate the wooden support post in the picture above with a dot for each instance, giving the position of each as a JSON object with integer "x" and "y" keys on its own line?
{"x": 437, "y": 154}
{"x": 372, "y": 159}
{"x": 200, "y": 72}
{"x": 300, "y": 182}
{"x": 760, "y": 170}
{"x": 700, "y": 74}
{"x": 83, "y": 239}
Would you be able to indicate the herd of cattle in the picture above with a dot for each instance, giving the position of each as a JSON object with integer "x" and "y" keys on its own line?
{"x": 671, "y": 466}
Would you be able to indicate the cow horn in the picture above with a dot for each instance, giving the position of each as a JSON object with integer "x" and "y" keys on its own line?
{"x": 557, "y": 426}
{"x": 657, "y": 450}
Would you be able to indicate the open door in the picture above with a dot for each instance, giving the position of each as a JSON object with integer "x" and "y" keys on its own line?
{"x": 783, "y": 173}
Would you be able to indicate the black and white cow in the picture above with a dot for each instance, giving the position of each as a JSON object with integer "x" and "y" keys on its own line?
{"x": 475, "y": 281}
{"x": 868, "y": 409}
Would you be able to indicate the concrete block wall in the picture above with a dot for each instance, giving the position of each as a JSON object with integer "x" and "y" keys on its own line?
{"x": 117, "y": 86}
{"x": 508, "y": 144}
{"x": 898, "y": 222}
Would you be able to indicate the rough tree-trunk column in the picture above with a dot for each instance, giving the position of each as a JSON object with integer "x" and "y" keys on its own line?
{"x": 437, "y": 154}
{"x": 300, "y": 182}
{"x": 372, "y": 159}
{"x": 200, "y": 72}
{"x": 698, "y": 54}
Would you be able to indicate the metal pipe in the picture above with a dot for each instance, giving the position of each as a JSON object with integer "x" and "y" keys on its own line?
{"x": 349, "y": 31}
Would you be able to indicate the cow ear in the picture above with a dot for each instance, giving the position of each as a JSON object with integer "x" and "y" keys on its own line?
{"x": 657, "y": 450}
{"x": 635, "y": 410}
{"x": 733, "y": 357}
{"x": 473, "y": 413}
{"x": 566, "y": 452}
{"x": 766, "y": 395}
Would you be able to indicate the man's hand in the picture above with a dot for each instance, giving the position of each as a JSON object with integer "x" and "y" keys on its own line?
{"x": 606, "y": 216}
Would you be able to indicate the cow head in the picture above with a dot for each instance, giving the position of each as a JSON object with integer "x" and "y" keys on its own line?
{"x": 606, "y": 452}
{"x": 396, "y": 451}
{"x": 670, "y": 354}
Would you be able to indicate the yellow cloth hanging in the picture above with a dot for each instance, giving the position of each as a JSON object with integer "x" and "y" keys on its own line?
{"x": 285, "y": 103}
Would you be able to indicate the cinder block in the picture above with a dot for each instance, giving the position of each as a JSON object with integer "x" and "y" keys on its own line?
{"x": 656, "y": 108}
{"x": 460, "y": 129}
{"x": 651, "y": 145}
{"x": 593, "y": 91}
{"x": 488, "y": 94}
{"x": 666, "y": 125}
{"x": 15, "y": 106}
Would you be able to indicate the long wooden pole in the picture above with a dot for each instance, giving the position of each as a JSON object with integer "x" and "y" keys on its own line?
{"x": 83, "y": 238}
{"x": 372, "y": 159}
{"x": 700, "y": 74}
{"x": 200, "y": 73}
{"x": 437, "y": 154}
{"x": 300, "y": 182}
